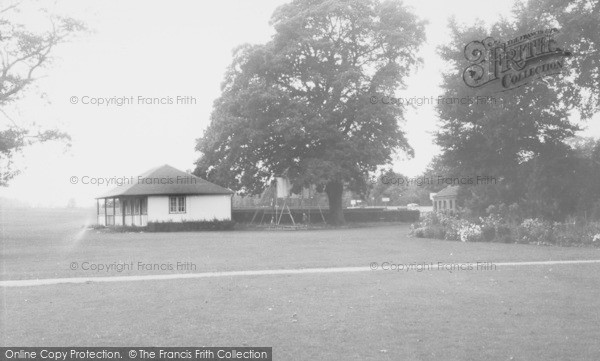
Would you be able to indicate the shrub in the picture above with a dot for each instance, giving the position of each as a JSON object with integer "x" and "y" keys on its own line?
{"x": 452, "y": 234}
{"x": 454, "y": 227}
{"x": 439, "y": 232}
{"x": 430, "y": 219}
{"x": 214, "y": 225}
{"x": 534, "y": 230}
{"x": 418, "y": 232}
{"x": 497, "y": 227}
{"x": 488, "y": 233}
{"x": 435, "y": 231}
{"x": 470, "y": 233}
{"x": 569, "y": 234}
{"x": 505, "y": 239}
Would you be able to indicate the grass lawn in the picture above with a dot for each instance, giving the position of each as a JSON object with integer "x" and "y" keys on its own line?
{"x": 520, "y": 312}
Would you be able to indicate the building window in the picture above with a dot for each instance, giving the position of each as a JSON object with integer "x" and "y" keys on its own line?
{"x": 136, "y": 209}
{"x": 444, "y": 204}
{"x": 172, "y": 204}
{"x": 127, "y": 205}
{"x": 450, "y": 202}
{"x": 177, "y": 204}
{"x": 181, "y": 204}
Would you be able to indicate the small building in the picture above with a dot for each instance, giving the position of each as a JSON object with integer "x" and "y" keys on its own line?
{"x": 163, "y": 194}
{"x": 445, "y": 199}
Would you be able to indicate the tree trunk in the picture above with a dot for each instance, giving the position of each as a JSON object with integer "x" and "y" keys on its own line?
{"x": 334, "y": 190}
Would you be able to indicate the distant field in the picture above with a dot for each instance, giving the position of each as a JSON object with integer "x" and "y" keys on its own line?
{"x": 536, "y": 312}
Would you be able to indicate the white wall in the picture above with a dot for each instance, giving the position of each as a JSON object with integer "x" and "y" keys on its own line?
{"x": 198, "y": 208}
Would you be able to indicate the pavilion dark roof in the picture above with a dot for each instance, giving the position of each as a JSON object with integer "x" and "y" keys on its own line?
{"x": 166, "y": 180}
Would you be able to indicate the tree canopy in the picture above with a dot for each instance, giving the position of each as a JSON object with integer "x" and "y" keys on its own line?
{"x": 521, "y": 136}
{"x": 299, "y": 105}
{"x": 23, "y": 53}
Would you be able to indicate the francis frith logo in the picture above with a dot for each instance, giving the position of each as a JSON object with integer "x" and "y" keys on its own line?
{"x": 508, "y": 65}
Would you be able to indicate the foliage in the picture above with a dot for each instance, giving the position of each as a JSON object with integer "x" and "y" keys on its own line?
{"x": 189, "y": 226}
{"x": 521, "y": 137}
{"x": 534, "y": 230}
{"x": 401, "y": 190}
{"x": 504, "y": 227}
{"x": 380, "y": 215}
{"x": 299, "y": 105}
{"x": 574, "y": 234}
{"x": 579, "y": 25}
{"x": 186, "y": 226}
{"x": 470, "y": 233}
{"x": 24, "y": 54}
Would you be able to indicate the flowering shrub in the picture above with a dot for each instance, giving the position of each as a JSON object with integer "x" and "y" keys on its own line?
{"x": 534, "y": 230}
{"x": 470, "y": 233}
{"x": 447, "y": 226}
{"x": 501, "y": 226}
{"x": 429, "y": 219}
{"x": 492, "y": 221}
{"x": 454, "y": 226}
{"x": 573, "y": 234}
{"x": 452, "y": 233}
{"x": 494, "y": 227}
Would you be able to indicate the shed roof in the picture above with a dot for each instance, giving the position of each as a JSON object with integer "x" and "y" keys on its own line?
{"x": 165, "y": 180}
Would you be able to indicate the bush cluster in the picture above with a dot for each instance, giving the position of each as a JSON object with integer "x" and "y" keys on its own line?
{"x": 169, "y": 226}
{"x": 185, "y": 226}
{"x": 502, "y": 224}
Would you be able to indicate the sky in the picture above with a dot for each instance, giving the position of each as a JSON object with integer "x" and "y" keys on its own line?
{"x": 159, "y": 49}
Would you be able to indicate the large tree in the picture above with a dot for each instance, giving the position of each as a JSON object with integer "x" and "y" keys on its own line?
{"x": 300, "y": 105}
{"x": 23, "y": 54}
{"x": 520, "y": 135}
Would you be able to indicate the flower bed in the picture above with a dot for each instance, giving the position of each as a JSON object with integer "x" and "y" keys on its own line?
{"x": 498, "y": 227}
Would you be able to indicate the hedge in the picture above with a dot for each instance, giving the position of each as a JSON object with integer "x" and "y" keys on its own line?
{"x": 213, "y": 225}
{"x": 357, "y": 215}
